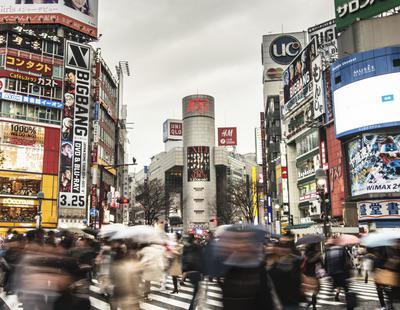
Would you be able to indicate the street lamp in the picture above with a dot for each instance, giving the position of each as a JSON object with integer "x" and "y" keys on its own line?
{"x": 321, "y": 179}
{"x": 40, "y": 197}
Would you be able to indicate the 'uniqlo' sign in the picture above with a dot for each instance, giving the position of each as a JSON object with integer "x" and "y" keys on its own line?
{"x": 175, "y": 129}
{"x": 227, "y": 136}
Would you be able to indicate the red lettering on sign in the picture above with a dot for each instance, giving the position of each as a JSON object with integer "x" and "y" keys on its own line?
{"x": 198, "y": 105}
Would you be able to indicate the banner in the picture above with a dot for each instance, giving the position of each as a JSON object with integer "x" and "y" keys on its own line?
{"x": 318, "y": 87}
{"x": 75, "y": 129}
{"x": 29, "y": 65}
{"x": 42, "y": 81}
{"x": 198, "y": 162}
{"x": 326, "y": 38}
{"x": 378, "y": 209}
{"x": 374, "y": 164}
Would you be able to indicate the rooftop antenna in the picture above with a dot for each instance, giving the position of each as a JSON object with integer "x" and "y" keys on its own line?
{"x": 282, "y": 28}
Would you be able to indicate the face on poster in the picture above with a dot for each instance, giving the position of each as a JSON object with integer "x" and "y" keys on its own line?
{"x": 76, "y": 13}
{"x": 374, "y": 164}
{"x": 75, "y": 128}
{"x": 198, "y": 163}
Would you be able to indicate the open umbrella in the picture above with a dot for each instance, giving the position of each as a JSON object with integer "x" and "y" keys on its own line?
{"x": 140, "y": 234}
{"x": 310, "y": 239}
{"x": 111, "y": 229}
{"x": 344, "y": 240}
{"x": 387, "y": 238}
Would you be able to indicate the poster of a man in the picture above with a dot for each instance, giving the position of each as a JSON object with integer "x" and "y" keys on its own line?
{"x": 66, "y": 155}
{"x": 80, "y": 5}
{"x": 69, "y": 105}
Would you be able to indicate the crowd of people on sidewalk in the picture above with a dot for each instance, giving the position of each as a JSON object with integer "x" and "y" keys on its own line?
{"x": 55, "y": 270}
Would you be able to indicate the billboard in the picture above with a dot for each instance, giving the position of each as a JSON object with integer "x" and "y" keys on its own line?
{"x": 172, "y": 130}
{"x": 318, "y": 87}
{"x": 40, "y": 80}
{"x": 227, "y": 136}
{"x": 278, "y": 50}
{"x": 374, "y": 164}
{"x": 21, "y": 147}
{"x": 198, "y": 105}
{"x": 349, "y": 11}
{"x": 378, "y": 209}
{"x": 198, "y": 163}
{"x": 365, "y": 91}
{"x": 78, "y": 15}
{"x": 297, "y": 78}
{"x": 325, "y": 35}
{"x": 75, "y": 128}
{"x": 29, "y": 65}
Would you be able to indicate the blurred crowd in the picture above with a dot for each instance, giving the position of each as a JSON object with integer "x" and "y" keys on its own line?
{"x": 255, "y": 270}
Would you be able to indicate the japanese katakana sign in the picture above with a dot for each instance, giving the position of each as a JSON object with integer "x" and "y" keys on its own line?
{"x": 374, "y": 209}
{"x": 348, "y": 11}
{"x": 29, "y": 65}
{"x": 42, "y": 81}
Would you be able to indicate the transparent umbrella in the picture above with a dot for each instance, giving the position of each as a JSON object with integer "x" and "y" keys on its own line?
{"x": 141, "y": 234}
{"x": 387, "y": 238}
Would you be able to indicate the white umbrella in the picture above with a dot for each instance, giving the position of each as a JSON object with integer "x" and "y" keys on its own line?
{"x": 387, "y": 238}
{"x": 111, "y": 229}
{"x": 140, "y": 234}
{"x": 220, "y": 230}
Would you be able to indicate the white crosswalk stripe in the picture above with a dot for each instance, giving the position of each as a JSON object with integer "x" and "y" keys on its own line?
{"x": 164, "y": 300}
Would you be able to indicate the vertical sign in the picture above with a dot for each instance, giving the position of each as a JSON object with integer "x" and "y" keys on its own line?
{"x": 318, "y": 94}
{"x": 254, "y": 193}
{"x": 75, "y": 131}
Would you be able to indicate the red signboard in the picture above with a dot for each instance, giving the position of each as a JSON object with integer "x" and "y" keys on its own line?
{"x": 29, "y": 65}
{"x": 42, "y": 81}
{"x": 200, "y": 105}
{"x": 175, "y": 129}
{"x": 227, "y": 136}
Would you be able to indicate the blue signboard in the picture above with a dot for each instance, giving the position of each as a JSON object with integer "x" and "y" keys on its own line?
{"x": 32, "y": 100}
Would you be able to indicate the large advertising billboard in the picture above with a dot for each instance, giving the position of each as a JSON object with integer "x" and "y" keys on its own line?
{"x": 374, "y": 164}
{"x": 79, "y": 15}
{"x": 227, "y": 136}
{"x": 198, "y": 163}
{"x": 326, "y": 36}
{"x": 297, "y": 78}
{"x": 75, "y": 129}
{"x": 365, "y": 91}
{"x": 21, "y": 147}
{"x": 279, "y": 50}
{"x": 349, "y": 11}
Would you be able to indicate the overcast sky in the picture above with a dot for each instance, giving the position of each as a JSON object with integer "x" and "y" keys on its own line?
{"x": 182, "y": 47}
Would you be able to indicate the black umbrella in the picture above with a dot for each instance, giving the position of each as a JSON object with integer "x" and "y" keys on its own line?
{"x": 90, "y": 231}
{"x": 310, "y": 239}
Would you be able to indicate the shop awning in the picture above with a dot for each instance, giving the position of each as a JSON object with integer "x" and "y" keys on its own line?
{"x": 303, "y": 205}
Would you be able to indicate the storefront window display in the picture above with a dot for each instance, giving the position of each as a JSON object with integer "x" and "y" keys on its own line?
{"x": 307, "y": 190}
{"x": 17, "y": 210}
{"x": 23, "y": 185}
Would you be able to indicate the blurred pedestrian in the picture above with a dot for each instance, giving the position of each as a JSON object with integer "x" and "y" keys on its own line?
{"x": 192, "y": 265}
{"x": 312, "y": 260}
{"x": 285, "y": 272}
{"x": 126, "y": 277}
{"x": 175, "y": 269}
{"x": 338, "y": 265}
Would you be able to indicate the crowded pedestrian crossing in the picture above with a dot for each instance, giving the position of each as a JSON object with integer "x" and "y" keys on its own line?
{"x": 210, "y": 296}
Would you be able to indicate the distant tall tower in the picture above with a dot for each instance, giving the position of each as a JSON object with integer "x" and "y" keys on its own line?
{"x": 199, "y": 177}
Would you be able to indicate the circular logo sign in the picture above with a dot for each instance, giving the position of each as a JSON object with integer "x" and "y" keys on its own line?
{"x": 284, "y": 49}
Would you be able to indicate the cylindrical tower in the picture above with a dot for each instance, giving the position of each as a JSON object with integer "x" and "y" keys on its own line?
{"x": 199, "y": 178}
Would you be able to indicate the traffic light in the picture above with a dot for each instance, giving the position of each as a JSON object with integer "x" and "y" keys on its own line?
{"x": 123, "y": 200}
{"x": 291, "y": 220}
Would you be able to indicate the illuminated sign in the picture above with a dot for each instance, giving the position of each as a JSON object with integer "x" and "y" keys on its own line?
{"x": 199, "y": 105}
{"x": 198, "y": 163}
{"x": 32, "y": 100}
{"x": 29, "y": 65}
{"x": 17, "y": 202}
{"x": 172, "y": 130}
